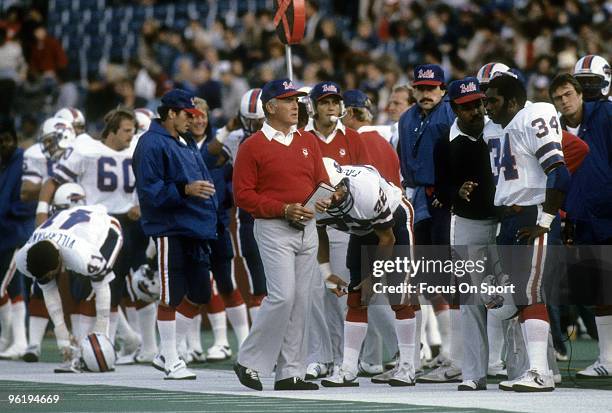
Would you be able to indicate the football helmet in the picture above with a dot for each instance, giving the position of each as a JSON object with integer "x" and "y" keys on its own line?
{"x": 97, "y": 353}
{"x": 594, "y": 74}
{"x": 74, "y": 116}
{"x": 342, "y": 206}
{"x": 251, "y": 111}
{"x": 67, "y": 196}
{"x": 144, "y": 284}
{"x": 486, "y": 72}
{"x": 143, "y": 119}
{"x": 56, "y": 136}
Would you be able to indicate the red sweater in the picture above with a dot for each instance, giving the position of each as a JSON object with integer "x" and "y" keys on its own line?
{"x": 346, "y": 149}
{"x": 383, "y": 156}
{"x": 268, "y": 174}
{"x": 574, "y": 150}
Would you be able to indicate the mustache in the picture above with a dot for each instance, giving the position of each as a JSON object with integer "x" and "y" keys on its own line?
{"x": 425, "y": 100}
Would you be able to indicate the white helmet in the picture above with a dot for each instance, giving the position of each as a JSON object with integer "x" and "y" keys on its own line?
{"x": 143, "y": 119}
{"x": 486, "y": 72}
{"x": 56, "y": 136}
{"x": 74, "y": 116}
{"x": 68, "y": 195}
{"x": 143, "y": 284}
{"x": 334, "y": 171}
{"x": 594, "y": 74}
{"x": 98, "y": 353}
{"x": 251, "y": 111}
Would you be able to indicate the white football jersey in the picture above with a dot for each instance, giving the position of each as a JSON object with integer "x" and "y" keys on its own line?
{"x": 80, "y": 234}
{"x": 522, "y": 151}
{"x": 105, "y": 174}
{"x": 374, "y": 200}
{"x": 36, "y": 167}
{"x": 232, "y": 142}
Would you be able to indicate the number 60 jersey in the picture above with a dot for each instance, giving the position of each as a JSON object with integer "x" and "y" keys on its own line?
{"x": 105, "y": 174}
{"x": 522, "y": 152}
{"x": 87, "y": 237}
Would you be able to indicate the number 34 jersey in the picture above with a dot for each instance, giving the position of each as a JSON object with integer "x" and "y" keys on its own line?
{"x": 369, "y": 205}
{"x": 521, "y": 152}
{"x": 105, "y": 174}
{"x": 88, "y": 240}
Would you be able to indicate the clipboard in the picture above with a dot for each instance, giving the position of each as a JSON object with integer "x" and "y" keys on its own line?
{"x": 322, "y": 191}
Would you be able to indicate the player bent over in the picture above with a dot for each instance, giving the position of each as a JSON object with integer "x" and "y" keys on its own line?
{"x": 373, "y": 212}
{"x": 85, "y": 241}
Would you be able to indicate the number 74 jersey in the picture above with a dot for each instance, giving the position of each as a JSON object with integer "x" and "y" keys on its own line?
{"x": 521, "y": 152}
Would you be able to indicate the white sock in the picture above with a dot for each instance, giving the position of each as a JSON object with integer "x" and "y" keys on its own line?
{"x": 124, "y": 329}
{"x": 354, "y": 334}
{"x": 253, "y": 312}
{"x": 443, "y": 318}
{"x": 5, "y": 322}
{"x": 495, "y": 336}
{"x": 75, "y": 323}
{"x": 146, "y": 321}
{"x": 239, "y": 320}
{"x": 167, "y": 341}
{"x": 418, "y": 317}
{"x": 38, "y": 326}
{"x": 112, "y": 326}
{"x": 194, "y": 335}
{"x": 536, "y": 340}
{"x": 183, "y": 325}
{"x": 131, "y": 314}
{"x": 456, "y": 339}
{"x": 87, "y": 324}
{"x": 604, "y": 331}
{"x": 405, "y": 331}
{"x": 218, "y": 324}
{"x": 18, "y": 325}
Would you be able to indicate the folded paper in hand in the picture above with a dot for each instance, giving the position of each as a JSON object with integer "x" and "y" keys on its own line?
{"x": 322, "y": 191}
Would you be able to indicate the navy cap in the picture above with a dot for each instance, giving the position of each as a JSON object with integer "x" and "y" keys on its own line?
{"x": 323, "y": 89}
{"x": 355, "y": 98}
{"x": 465, "y": 90}
{"x": 431, "y": 75}
{"x": 180, "y": 99}
{"x": 279, "y": 88}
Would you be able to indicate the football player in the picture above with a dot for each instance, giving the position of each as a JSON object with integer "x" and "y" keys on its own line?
{"x": 74, "y": 116}
{"x": 594, "y": 75}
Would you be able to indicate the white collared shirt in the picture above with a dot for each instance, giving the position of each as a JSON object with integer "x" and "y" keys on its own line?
{"x": 271, "y": 133}
{"x": 327, "y": 139}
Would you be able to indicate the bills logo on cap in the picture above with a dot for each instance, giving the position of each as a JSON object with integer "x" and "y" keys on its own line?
{"x": 288, "y": 85}
{"x": 330, "y": 88}
{"x": 305, "y": 152}
{"x": 468, "y": 88}
{"x": 426, "y": 74}
{"x": 342, "y": 152}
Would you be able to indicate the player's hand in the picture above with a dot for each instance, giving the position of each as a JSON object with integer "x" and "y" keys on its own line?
{"x": 233, "y": 124}
{"x": 134, "y": 213}
{"x": 367, "y": 290}
{"x": 297, "y": 213}
{"x": 466, "y": 190}
{"x": 531, "y": 233}
{"x": 336, "y": 285}
{"x": 40, "y": 218}
{"x": 322, "y": 204}
{"x": 567, "y": 232}
{"x": 200, "y": 189}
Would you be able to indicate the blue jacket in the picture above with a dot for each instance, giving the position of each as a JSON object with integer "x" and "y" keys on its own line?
{"x": 219, "y": 175}
{"x": 16, "y": 217}
{"x": 590, "y": 195}
{"x": 162, "y": 167}
{"x": 418, "y": 138}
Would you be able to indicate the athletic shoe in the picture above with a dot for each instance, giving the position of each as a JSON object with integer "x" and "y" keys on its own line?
{"x": 506, "y": 385}
{"x": 343, "y": 378}
{"x": 248, "y": 377}
{"x": 159, "y": 362}
{"x": 295, "y": 383}
{"x": 391, "y": 364}
{"x": 473, "y": 385}
{"x": 12, "y": 353}
{"x": 368, "y": 370}
{"x": 561, "y": 356}
{"x": 383, "y": 378}
{"x": 316, "y": 371}
{"x": 557, "y": 379}
{"x": 597, "y": 370}
{"x": 144, "y": 358}
{"x": 197, "y": 356}
{"x": 497, "y": 370}
{"x": 534, "y": 381}
{"x": 447, "y": 373}
{"x": 436, "y": 362}
{"x": 403, "y": 376}
{"x": 72, "y": 361}
{"x": 125, "y": 360}
{"x": 179, "y": 372}
{"x": 32, "y": 354}
{"x": 218, "y": 353}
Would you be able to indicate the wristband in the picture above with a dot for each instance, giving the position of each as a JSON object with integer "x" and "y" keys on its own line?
{"x": 545, "y": 220}
{"x": 42, "y": 208}
{"x": 326, "y": 269}
{"x": 222, "y": 134}
{"x": 285, "y": 211}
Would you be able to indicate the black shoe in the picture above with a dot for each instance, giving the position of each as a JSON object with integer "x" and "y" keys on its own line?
{"x": 295, "y": 383}
{"x": 248, "y": 377}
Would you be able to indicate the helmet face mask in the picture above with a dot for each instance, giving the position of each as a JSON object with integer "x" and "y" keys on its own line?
{"x": 342, "y": 200}
{"x": 594, "y": 74}
{"x": 251, "y": 125}
{"x": 56, "y": 136}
